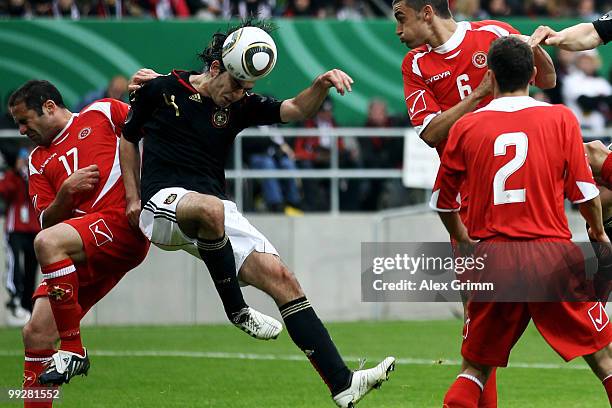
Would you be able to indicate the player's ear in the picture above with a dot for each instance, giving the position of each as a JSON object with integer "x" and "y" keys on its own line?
{"x": 49, "y": 107}
{"x": 427, "y": 13}
{"x": 215, "y": 68}
{"x": 533, "y": 76}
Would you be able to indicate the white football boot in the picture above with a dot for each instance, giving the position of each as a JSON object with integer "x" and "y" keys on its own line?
{"x": 363, "y": 381}
{"x": 63, "y": 366}
{"x": 257, "y": 324}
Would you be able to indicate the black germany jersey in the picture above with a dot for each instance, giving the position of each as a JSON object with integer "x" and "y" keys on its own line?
{"x": 187, "y": 137}
{"x": 603, "y": 26}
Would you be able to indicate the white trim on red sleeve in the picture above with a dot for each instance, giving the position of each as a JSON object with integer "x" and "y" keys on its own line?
{"x": 589, "y": 191}
{"x": 428, "y": 118}
{"x": 433, "y": 203}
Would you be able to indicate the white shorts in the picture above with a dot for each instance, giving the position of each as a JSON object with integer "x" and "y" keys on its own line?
{"x": 158, "y": 223}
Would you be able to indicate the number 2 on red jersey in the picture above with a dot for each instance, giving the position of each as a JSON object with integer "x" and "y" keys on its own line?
{"x": 521, "y": 143}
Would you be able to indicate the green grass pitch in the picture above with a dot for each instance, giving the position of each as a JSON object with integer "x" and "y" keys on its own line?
{"x": 218, "y": 366}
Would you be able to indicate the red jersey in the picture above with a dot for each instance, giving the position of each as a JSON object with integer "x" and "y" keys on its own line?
{"x": 436, "y": 79}
{"x": 90, "y": 137}
{"x": 518, "y": 159}
{"x": 20, "y": 215}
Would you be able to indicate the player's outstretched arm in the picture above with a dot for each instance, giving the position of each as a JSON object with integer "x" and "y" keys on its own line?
{"x": 437, "y": 130}
{"x": 579, "y": 37}
{"x": 546, "y": 76}
{"x": 307, "y": 102}
{"x": 81, "y": 181}
{"x": 129, "y": 159}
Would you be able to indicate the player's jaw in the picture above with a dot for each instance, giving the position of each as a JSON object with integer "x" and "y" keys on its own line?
{"x": 38, "y": 133}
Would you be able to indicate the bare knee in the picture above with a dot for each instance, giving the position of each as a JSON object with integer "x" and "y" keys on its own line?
{"x": 39, "y": 334}
{"x": 596, "y": 153}
{"x": 46, "y": 246}
{"x": 286, "y": 283}
{"x": 211, "y": 218}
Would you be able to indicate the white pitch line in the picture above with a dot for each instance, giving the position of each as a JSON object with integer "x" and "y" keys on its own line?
{"x": 288, "y": 357}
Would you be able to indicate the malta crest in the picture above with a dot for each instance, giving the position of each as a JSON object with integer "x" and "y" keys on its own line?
{"x": 479, "y": 59}
{"x": 29, "y": 378}
{"x": 60, "y": 292}
{"x": 221, "y": 118}
{"x": 84, "y": 133}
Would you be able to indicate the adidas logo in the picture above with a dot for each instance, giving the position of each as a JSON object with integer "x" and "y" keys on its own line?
{"x": 196, "y": 97}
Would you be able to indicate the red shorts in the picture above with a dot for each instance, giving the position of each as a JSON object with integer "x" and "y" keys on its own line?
{"x": 572, "y": 329}
{"x": 112, "y": 249}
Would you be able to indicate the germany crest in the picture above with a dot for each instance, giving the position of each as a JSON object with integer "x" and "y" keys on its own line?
{"x": 220, "y": 118}
{"x": 170, "y": 199}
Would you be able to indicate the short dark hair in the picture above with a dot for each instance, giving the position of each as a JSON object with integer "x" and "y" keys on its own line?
{"x": 34, "y": 94}
{"x": 439, "y": 6}
{"x": 511, "y": 60}
{"x": 215, "y": 48}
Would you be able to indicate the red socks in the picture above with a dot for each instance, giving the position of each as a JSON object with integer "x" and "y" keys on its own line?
{"x": 63, "y": 292}
{"x": 488, "y": 399}
{"x": 34, "y": 364}
{"x": 465, "y": 392}
{"x": 607, "y": 383}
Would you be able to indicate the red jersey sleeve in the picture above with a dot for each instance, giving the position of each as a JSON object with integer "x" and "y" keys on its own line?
{"x": 445, "y": 196}
{"x": 41, "y": 192}
{"x": 118, "y": 112}
{"x": 421, "y": 103}
{"x": 579, "y": 183}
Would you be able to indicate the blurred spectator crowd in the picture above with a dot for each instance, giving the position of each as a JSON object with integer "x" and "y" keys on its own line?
{"x": 587, "y": 10}
{"x": 203, "y": 9}
{"x": 340, "y": 9}
{"x": 581, "y": 87}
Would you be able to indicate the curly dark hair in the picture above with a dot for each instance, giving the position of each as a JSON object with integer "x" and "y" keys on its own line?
{"x": 215, "y": 47}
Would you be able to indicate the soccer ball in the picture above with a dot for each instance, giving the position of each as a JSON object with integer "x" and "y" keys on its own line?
{"x": 249, "y": 53}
